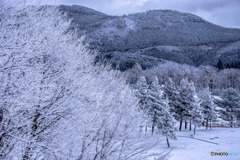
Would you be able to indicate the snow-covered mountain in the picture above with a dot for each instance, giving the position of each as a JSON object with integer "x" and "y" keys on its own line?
{"x": 154, "y": 36}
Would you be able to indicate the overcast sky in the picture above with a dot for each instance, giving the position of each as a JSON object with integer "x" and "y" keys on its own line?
{"x": 221, "y": 12}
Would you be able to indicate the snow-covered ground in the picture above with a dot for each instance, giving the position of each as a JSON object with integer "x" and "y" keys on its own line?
{"x": 200, "y": 146}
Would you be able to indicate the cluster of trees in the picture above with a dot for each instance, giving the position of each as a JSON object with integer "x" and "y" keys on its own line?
{"x": 229, "y": 104}
{"x": 156, "y": 107}
{"x": 54, "y": 103}
{"x": 165, "y": 104}
{"x": 203, "y": 76}
{"x": 181, "y": 102}
{"x": 208, "y": 106}
{"x": 184, "y": 102}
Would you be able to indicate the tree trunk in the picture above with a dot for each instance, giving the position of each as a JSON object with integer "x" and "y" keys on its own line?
{"x": 185, "y": 124}
{"x": 152, "y": 129}
{"x": 210, "y": 124}
{"x": 180, "y": 128}
{"x": 211, "y": 85}
{"x": 146, "y": 130}
{"x": 140, "y": 130}
{"x": 168, "y": 142}
{"x": 194, "y": 129}
{"x": 26, "y": 155}
{"x": 190, "y": 126}
{"x": 207, "y": 124}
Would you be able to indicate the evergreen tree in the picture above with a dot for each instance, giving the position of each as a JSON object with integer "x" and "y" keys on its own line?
{"x": 220, "y": 64}
{"x": 185, "y": 99}
{"x": 171, "y": 92}
{"x": 208, "y": 106}
{"x": 231, "y": 106}
{"x": 166, "y": 124}
{"x": 189, "y": 103}
{"x": 184, "y": 102}
{"x": 155, "y": 103}
{"x": 196, "y": 116}
{"x": 156, "y": 107}
{"x": 159, "y": 111}
{"x": 142, "y": 92}
{"x": 195, "y": 109}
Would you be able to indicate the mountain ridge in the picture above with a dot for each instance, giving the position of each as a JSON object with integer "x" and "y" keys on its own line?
{"x": 136, "y": 38}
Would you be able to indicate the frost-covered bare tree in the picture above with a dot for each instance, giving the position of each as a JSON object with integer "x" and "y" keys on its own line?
{"x": 31, "y": 79}
{"x": 203, "y": 76}
{"x": 54, "y": 103}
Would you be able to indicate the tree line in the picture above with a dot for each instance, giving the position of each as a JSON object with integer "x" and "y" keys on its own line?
{"x": 170, "y": 103}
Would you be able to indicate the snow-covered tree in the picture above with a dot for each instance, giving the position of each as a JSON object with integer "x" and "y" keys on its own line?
{"x": 142, "y": 92}
{"x": 196, "y": 111}
{"x": 230, "y": 102}
{"x": 156, "y": 107}
{"x": 160, "y": 112}
{"x": 172, "y": 94}
{"x": 54, "y": 104}
{"x": 189, "y": 104}
{"x": 208, "y": 106}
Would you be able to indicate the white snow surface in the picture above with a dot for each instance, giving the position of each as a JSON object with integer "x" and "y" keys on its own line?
{"x": 199, "y": 146}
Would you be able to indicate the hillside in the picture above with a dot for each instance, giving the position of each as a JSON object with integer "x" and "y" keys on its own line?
{"x": 154, "y": 36}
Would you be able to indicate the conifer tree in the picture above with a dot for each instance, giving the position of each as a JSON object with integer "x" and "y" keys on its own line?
{"x": 208, "y": 106}
{"x": 156, "y": 107}
{"x": 189, "y": 103}
{"x": 195, "y": 109}
{"x": 163, "y": 118}
{"x": 171, "y": 92}
{"x": 231, "y": 106}
{"x": 142, "y": 92}
{"x": 220, "y": 64}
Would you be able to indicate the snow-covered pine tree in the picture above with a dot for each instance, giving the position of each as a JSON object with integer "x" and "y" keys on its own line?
{"x": 159, "y": 112}
{"x": 189, "y": 103}
{"x": 208, "y": 106}
{"x": 166, "y": 127}
{"x": 230, "y": 102}
{"x": 171, "y": 93}
{"x": 142, "y": 92}
{"x": 155, "y": 103}
{"x": 194, "y": 107}
{"x": 184, "y": 101}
